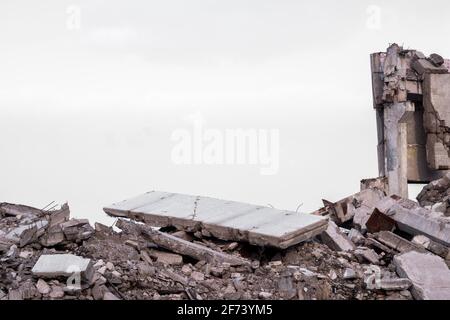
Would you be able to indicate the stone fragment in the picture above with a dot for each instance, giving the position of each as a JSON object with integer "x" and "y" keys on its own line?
{"x": 98, "y": 292}
{"x": 335, "y": 239}
{"x": 65, "y": 265}
{"x": 265, "y": 295}
{"x": 429, "y": 274}
{"x": 430, "y": 245}
{"x": 397, "y": 284}
{"x": 415, "y": 220}
{"x": 109, "y": 296}
{"x": 365, "y": 254}
{"x": 197, "y": 276}
{"x": 166, "y": 257}
{"x": 349, "y": 274}
{"x": 15, "y": 294}
{"x": 57, "y": 292}
{"x": 356, "y": 237}
{"x": 436, "y": 59}
{"x": 77, "y": 229}
{"x": 364, "y": 202}
{"x": 396, "y": 242}
{"x": 422, "y": 66}
{"x": 43, "y": 287}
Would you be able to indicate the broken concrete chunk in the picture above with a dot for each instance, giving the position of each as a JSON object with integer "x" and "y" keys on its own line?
{"x": 52, "y": 237}
{"x": 43, "y": 287}
{"x": 77, "y": 229}
{"x": 59, "y": 216}
{"x": 63, "y": 265}
{"x": 15, "y": 294}
{"x": 366, "y": 254}
{"x": 356, "y": 237}
{"x": 19, "y": 210}
{"x": 398, "y": 284}
{"x": 422, "y": 66}
{"x": 415, "y": 220}
{"x": 430, "y": 245}
{"x": 181, "y": 246}
{"x": 396, "y": 242}
{"x": 166, "y": 257}
{"x": 349, "y": 274}
{"x": 436, "y": 59}
{"x": 344, "y": 210}
{"x": 379, "y": 183}
{"x": 335, "y": 239}
{"x": 429, "y": 274}
{"x": 25, "y": 234}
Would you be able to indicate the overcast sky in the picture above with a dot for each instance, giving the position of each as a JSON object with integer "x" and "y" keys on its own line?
{"x": 92, "y": 91}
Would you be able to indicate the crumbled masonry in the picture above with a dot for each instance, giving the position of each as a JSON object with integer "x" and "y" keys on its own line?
{"x": 48, "y": 255}
{"x": 373, "y": 245}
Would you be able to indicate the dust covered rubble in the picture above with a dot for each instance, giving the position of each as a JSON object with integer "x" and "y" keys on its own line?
{"x": 362, "y": 255}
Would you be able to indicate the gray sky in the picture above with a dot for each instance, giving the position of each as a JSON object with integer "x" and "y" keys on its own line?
{"x": 88, "y": 105}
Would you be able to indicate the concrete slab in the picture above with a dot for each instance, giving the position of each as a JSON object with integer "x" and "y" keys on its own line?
{"x": 227, "y": 220}
{"x": 428, "y": 273}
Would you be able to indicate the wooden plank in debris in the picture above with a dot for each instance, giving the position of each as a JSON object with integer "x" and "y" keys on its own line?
{"x": 226, "y": 220}
{"x": 181, "y": 246}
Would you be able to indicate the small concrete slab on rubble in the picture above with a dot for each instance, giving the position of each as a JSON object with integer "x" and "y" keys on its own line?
{"x": 226, "y": 220}
{"x": 428, "y": 273}
{"x": 62, "y": 265}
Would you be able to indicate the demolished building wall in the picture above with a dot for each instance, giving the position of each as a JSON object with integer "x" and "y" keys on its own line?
{"x": 411, "y": 94}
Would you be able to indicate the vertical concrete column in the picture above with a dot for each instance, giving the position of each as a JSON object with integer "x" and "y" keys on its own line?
{"x": 396, "y": 147}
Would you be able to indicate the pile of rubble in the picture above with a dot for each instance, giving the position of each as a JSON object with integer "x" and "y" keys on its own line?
{"x": 375, "y": 247}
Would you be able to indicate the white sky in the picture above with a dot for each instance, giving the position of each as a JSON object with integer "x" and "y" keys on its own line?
{"x": 87, "y": 114}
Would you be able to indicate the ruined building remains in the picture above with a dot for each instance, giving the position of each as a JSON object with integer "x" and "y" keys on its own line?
{"x": 411, "y": 94}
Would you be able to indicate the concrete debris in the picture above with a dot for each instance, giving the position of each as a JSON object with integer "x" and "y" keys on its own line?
{"x": 335, "y": 239}
{"x": 257, "y": 225}
{"x": 429, "y": 274}
{"x": 69, "y": 260}
{"x": 366, "y": 254}
{"x": 410, "y": 94}
{"x": 436, "y": 192}
{"x": 166, "y": 257}
{"x": 43, "y": 287}
{"x": 349, "y": 274}
{"x": 394, "y": 284}
{"x": 396, "y": 242}
{"x": 415, "y": 220}
{"x": 436, "y": 248}
{"x": 345, "y": 209}
{"x": 181, "y": 246}
{"x": 62, "y": 265}
{"x": 371, "y": 245}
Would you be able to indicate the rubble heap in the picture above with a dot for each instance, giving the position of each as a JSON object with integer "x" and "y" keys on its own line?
{"x": 375, "y": 247}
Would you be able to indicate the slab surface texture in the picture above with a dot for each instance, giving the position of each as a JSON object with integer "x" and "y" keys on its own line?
{"x": 227, "y": 220}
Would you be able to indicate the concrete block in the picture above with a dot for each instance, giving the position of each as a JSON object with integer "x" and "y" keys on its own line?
{"x": 429, "y": 274}
{"x": 63, "y": 265}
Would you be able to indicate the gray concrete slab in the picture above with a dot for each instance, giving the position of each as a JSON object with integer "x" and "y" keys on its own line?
{"x": 227, "y": 220}
{"x": 428, "y": 273}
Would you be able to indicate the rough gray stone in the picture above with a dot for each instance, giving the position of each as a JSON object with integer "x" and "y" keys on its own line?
{"x": 428, "y": 273}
